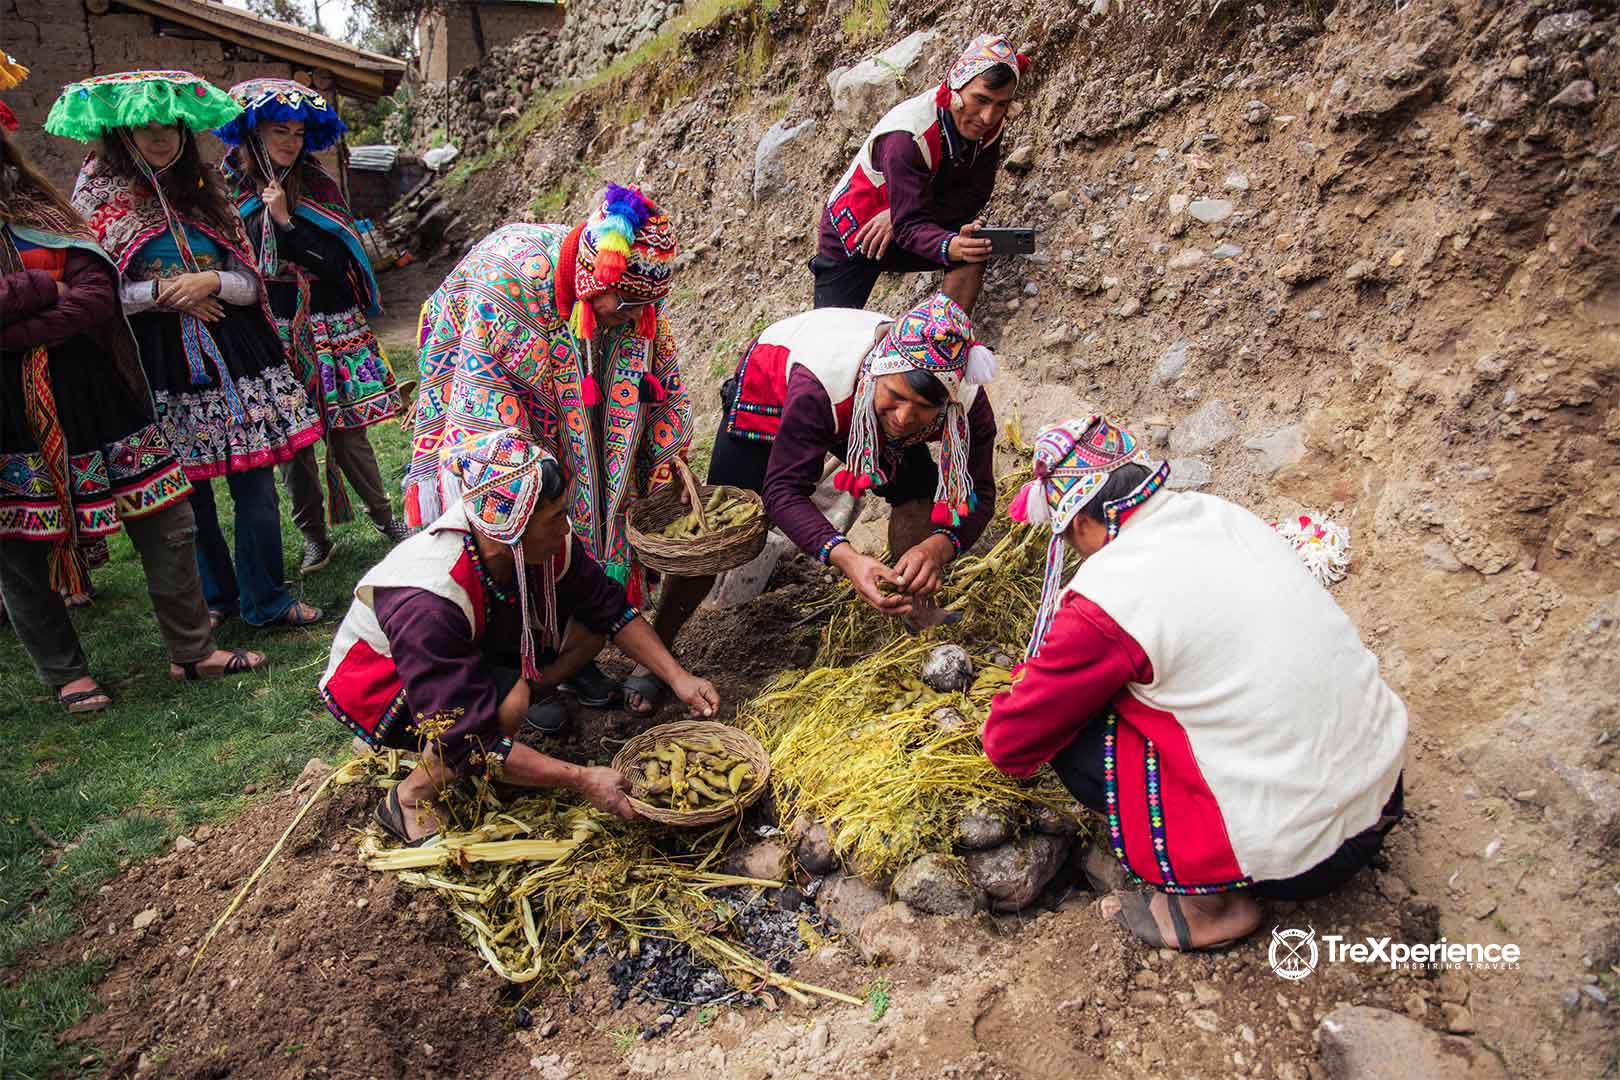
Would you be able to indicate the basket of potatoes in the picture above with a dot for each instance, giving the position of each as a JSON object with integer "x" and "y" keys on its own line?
{"x": 693, "y": 772}
{"x": 693, "y": 530}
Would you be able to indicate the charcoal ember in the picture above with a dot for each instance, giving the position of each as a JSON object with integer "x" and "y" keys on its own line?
{"x": 670, "y": 976}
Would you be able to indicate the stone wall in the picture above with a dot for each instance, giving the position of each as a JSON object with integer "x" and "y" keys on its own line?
{"x": 449, "y": 43}
{"x": 595, "y": 34}
{"x": 59, "y": 41}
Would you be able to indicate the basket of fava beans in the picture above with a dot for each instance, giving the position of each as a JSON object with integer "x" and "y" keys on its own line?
{"x": 693, "y": 530}
{"x": 693, "y": 772}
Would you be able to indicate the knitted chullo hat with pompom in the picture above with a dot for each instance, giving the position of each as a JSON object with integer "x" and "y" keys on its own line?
{"x": 1073, "y": 461}
{"x": 626, "y": 245}
{"x": 935, "y": 337}
{"x": 983, "y": 53}
{"x": 499, "y": 476}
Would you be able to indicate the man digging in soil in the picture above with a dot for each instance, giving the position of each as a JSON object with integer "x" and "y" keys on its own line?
{"x": 424, "y": 659}
{"x": 910, "y": 200}
{"x": 1197, "y": 686}
{"x": 873, "y": 392}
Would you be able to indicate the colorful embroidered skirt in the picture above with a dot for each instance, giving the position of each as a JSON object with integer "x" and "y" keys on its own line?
{"x": 262, "y": 418}
{"x": 120, "y": 464}
{"x": 343, "y": 365}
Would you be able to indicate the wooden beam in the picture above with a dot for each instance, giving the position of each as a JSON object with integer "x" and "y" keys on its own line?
{"x": 354, "y": 77}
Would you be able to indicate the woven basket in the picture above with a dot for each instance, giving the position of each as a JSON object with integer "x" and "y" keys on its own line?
{"x": 737, "y": 743}
{"x": 702, "y": 555}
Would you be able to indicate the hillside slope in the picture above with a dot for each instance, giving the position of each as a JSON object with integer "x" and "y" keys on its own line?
{"x": 1408, "y": 318}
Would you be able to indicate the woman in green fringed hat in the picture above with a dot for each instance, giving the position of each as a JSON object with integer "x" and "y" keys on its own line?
{"x": 321, "y": 289}
{"x": 81, "y": 456}
{"x": 227, "y": 399}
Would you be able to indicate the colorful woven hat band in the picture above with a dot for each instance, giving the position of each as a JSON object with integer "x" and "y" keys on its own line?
{"x": 983, "y": 53}
{"x": 937, "y": 338}
{"x": 278, "y": 101}
{"x": 1073, "y": 462}
{"x": 91, "y": 107}
{"x": 499, "y": 474}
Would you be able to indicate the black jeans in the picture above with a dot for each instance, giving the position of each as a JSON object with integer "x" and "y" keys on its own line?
{"x": 1080, "y": 767}
{"x": 848, "y": 283}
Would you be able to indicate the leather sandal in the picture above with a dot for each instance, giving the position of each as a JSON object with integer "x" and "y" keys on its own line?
{"x": 1136, "y": 915}
{"x": 300, "y": 614}
{"x": 74, "y": 703}
{"x": 391, "y": 816}
{"x": 240, "y": 663}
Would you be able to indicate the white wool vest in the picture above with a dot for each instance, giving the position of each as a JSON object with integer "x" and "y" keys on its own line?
{"x": 914, "y": 116}
{"x": 832, "y": 343}
{"x": 1297, "y": 735}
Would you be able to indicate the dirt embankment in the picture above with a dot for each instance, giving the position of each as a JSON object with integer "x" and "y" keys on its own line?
{"x": 1364, "y": 266}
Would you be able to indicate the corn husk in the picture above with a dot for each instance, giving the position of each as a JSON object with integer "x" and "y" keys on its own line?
{"x": 533, "y": 879}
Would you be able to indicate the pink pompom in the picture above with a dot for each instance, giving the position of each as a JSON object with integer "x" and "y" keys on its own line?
{"x": 590, "y": 392}
{"x": 941, "y": 515}
{"x": 842, "y": 480}
{"x": 1018, "y": 509}
{"x": 861, "y": 486}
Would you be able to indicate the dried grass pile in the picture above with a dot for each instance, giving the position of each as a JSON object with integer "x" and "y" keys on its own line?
{"x": 534, "y": 879}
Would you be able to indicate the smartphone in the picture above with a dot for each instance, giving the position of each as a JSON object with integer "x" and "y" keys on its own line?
{"x": 1009, "y": 241}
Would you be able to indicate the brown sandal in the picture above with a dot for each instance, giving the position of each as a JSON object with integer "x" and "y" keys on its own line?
{"x": 391, "y": 816}
{"x": 74, "y": 703}
{"x": 238, "y": 664}
{"x": 1136, "y": 915}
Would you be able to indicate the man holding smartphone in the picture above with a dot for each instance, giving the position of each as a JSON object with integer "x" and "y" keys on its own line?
{"x": 909, "y": 202}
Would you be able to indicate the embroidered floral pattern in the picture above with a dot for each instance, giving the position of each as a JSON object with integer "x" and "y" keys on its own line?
{"x": 343, "y": 366}
{"x": 210, "y": 442}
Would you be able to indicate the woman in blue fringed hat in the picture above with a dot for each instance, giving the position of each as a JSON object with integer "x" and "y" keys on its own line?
{"x": 321, "y": 290}
{"x": 227, "y": 400}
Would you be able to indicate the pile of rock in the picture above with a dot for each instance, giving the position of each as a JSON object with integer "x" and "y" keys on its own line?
{"x": 999, "y": 864}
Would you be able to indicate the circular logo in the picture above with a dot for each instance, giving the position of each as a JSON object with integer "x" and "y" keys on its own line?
{"x": 1292, "y": 953}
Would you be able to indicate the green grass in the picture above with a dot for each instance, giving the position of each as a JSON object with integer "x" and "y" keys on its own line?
{"x": 116, "y": 787}
{"x": 866, "y": 19}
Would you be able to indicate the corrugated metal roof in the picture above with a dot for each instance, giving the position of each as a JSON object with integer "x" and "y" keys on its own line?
{"x": 378, "y": 158}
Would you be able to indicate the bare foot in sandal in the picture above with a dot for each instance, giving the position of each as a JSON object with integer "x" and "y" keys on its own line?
{"x": 218, "y": 664}
{"x": 1167, "y": 921}
{"x": 83, "y": 696}
{"x": 300, "y": 614}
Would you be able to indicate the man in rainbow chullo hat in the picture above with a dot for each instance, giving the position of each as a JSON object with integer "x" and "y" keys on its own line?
{"x": 438, "y": 653}
{"x": 911, "y": 199}
{"x": 559, "y": 332}
{"x": 873, "y": 392}
{"x": 1195, "y": 684}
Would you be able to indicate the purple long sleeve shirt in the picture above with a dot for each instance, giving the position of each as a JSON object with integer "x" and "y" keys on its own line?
{"x": 926, "y": 210}
{"x": 443, "y": 668}
{"x": 33, "y": 313}
{"x": 808, "y": 435}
